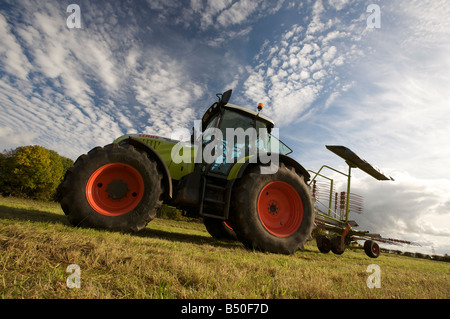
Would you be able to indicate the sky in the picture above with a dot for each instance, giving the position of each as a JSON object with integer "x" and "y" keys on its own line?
{"x": 370, "y": 75}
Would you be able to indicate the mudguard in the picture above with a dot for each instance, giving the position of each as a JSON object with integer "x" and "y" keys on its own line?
{"x": 151, "y": 152}
{"x": 238, "y": 169}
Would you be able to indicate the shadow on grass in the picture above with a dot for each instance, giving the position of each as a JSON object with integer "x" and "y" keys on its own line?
{"x": 185, "y": 238}
{"x": 33, "y": 215}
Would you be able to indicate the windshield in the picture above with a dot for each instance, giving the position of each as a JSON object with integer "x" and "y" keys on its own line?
{"x": 238, "y": 136}
{"x": 267, "y": 141}
{"x": 282, "y": 148}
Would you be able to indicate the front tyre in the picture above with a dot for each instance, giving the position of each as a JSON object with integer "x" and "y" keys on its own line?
{"x": 115, "y": 187}
{"x": 273, "y": 212}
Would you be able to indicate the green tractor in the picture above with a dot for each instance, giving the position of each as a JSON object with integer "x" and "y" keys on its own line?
{"x": 244, "y": 188}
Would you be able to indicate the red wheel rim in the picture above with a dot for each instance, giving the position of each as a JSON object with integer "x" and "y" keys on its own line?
{"x": 280, "y": 209}
{"x": 375, "y": 249}
{"x": 115, "y": 189}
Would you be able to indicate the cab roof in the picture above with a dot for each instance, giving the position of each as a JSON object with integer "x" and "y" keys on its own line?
{"x": 215, "y": 108}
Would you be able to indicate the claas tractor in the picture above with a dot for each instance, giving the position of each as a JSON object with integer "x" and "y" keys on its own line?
{"x": 243, "y": 186}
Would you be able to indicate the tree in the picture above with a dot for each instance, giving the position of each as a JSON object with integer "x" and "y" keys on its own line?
{"x": 32, "y": 171}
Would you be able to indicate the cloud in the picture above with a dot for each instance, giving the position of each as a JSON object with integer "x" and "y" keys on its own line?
{"x": 316, "y": 25}
{"x": 237, "y": 13}
{"x": 400, "y": 99}
{"x": 218, "y": 15}
{"x": 210, "y": 11}
{"x": 339, "y": 4}
{"x": 410, "y": 208}
{"x": 68, "y": 57}
{"x": 16, "y": 138}
{"x": 13, "y": 58}
{"x": 71, "y": 90}
{"x": 297, "y": 70}
{"x": 166, "y": 92}
{"x": 223, "y": 38}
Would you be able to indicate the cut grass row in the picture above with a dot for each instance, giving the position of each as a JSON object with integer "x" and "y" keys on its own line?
{"x": 179, "y": 259}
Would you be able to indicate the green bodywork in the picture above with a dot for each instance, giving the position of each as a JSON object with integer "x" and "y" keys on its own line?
{"x": 164, "y": 146}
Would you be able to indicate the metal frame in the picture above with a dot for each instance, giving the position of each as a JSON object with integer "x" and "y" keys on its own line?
{"x": 347, "y": 204}
{"x": 343, "y": 226}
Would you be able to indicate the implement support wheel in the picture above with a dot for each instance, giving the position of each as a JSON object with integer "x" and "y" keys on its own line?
{"x": 371, "y": 249}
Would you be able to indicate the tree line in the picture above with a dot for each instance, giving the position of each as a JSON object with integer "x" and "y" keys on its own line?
{"x": 32, "y": 172}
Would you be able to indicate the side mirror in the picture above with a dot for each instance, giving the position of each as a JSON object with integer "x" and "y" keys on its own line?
{"x": 226, "y": 97}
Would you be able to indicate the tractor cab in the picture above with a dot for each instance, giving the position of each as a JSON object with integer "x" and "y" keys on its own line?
{"x": 229, "y": 138}
{"x": 231, "y": 134}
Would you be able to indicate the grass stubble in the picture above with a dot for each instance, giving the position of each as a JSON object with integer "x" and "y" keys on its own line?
{"x": 180, "y": 260}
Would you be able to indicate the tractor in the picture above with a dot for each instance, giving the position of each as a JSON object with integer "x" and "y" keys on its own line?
{"x": 244, "y": 187}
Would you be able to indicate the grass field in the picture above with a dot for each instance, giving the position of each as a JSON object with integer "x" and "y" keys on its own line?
{"x": 179, "y": 259}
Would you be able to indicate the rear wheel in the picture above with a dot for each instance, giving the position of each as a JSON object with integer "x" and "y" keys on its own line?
{"x": 272, "y": 212}
{"x": 115, "y": 187}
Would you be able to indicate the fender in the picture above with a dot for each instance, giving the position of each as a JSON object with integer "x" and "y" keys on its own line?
{"x": 238, "y": 170}
{"x": 153, "y": 154}
{"x": 289, "y": 161}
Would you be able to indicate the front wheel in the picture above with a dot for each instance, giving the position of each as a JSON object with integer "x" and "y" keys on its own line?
{"x": 272, "y": 212}
{"x": 112, "y": 187}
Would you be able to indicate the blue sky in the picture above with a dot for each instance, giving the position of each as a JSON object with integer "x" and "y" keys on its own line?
{"x": 322, "y": 74}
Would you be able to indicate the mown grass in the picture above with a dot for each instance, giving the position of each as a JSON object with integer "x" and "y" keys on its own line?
{"x": 179, "y": 259}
